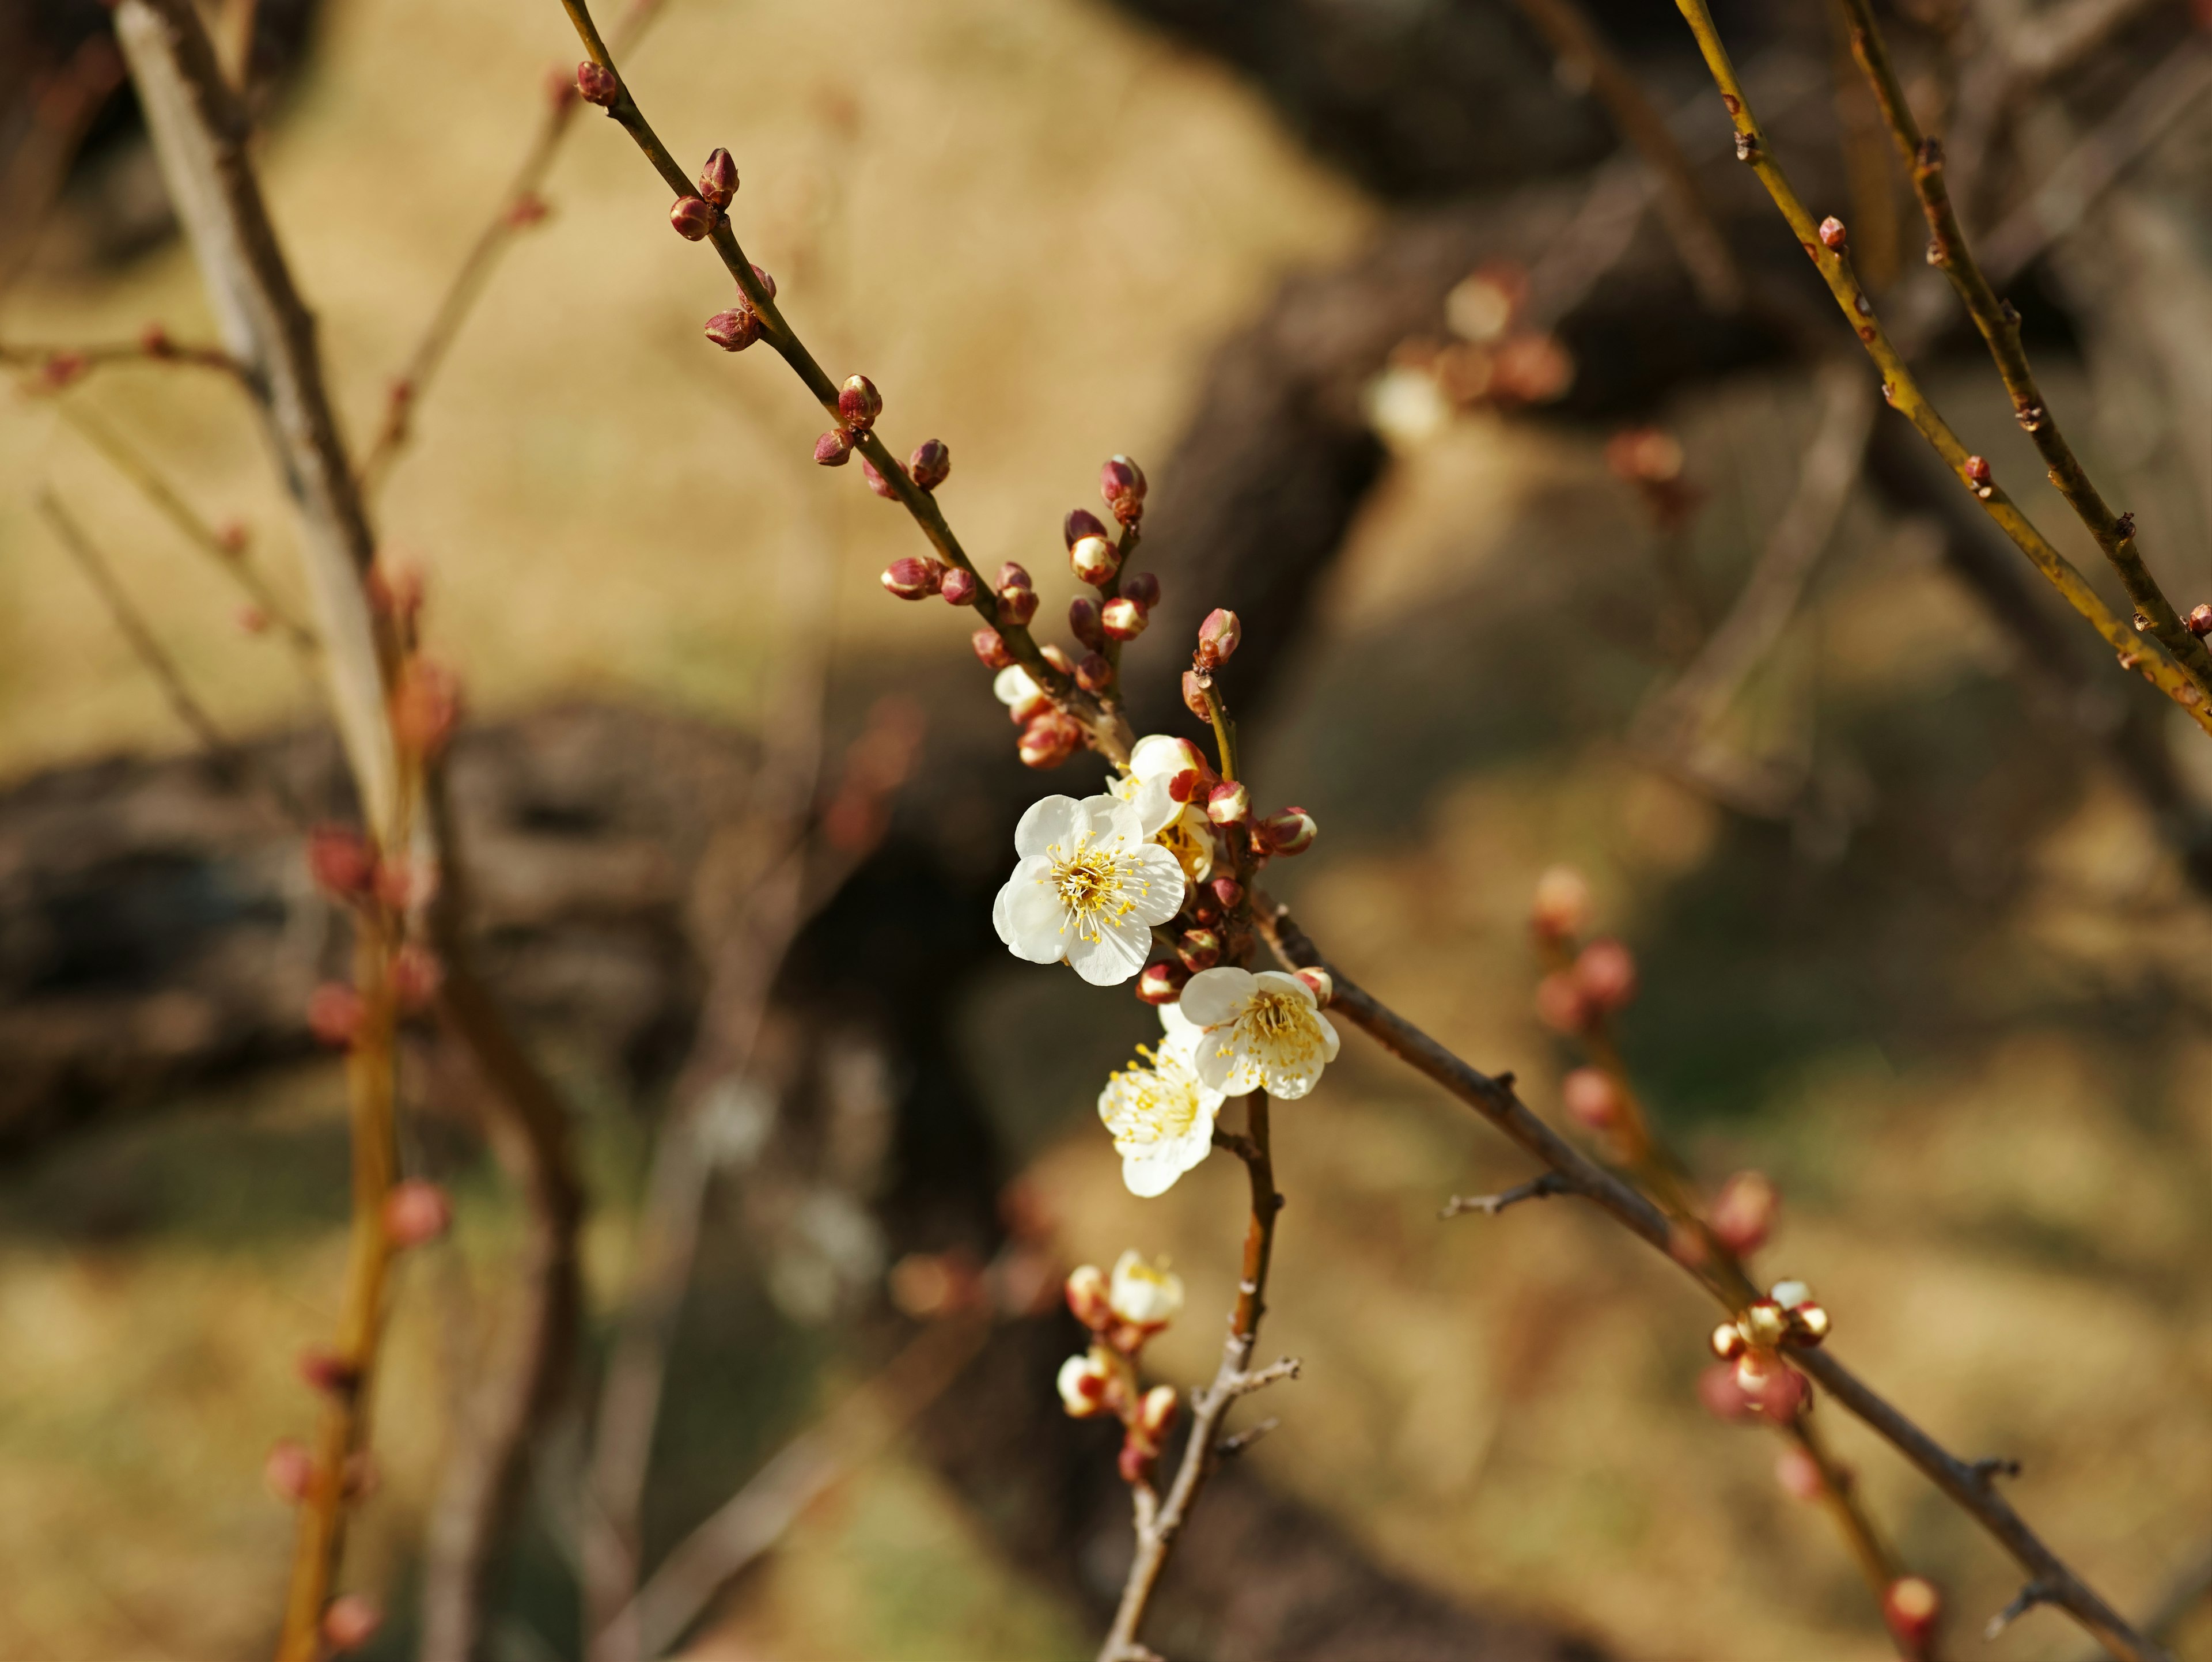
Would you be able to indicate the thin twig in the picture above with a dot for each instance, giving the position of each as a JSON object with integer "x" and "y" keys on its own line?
{"x": 1542, "y": 1186}
{"x": 1999, "y": 325}
{"x": 56, "y": 361}
{"x": 1580, "y": 1175}
{"x": 1903, "y": 390}
{"x": 1159, "y": 1522}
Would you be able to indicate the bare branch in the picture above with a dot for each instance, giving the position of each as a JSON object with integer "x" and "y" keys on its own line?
{"x": 1541, "y": 1187}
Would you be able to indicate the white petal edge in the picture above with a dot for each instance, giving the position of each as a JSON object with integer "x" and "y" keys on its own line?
{"x": 1213, "y": 998}
{"x": 1049, "y": 820}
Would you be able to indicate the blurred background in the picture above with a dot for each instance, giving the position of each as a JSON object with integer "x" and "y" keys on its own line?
{"x": 1920, "y": 887}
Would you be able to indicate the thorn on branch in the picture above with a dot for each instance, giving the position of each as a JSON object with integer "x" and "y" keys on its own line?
{"x": 2034, "y": 1593}
{"x": 1235, "y": 1444}
{"x": 1984, "y": 1470}
{"x": 1537, "y": 1188}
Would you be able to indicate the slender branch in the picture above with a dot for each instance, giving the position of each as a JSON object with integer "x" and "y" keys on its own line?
{"x": 1542, "y": 1186}
{"x": 1999, "y": 325}
{"x": 1579, "y": 1175}
{"x": 518, "y": 209}
{"x": 1697, "y": 240}
{"x": 1109, "y": 734}
{"x": 1903, "y": 392}
{"x": 59, "y": 363}
{"x": 229, "y": 556}
{"x": 1159, "y": 1523}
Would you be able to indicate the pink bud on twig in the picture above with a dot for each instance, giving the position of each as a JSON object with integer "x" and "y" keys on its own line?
{"x": 340, "y": 860}
{"x": 417, "y": 975}
{"x": 1048, "y": 741}
{"x": 1081, "y": 522}
{"x": 427, "y": 707}
{"x": 1229, "y": 804}
{"x": 718, "y": 180}
{"x": 2200, "y": 620}
{"x": 1606, "y": 971}
{"x": 1012, "y": 575}
{"x": 693, "y": 218}
{"x": 289, "y": 1471}
{"x": 1289, "y": 831}
{"x": 1093, "y": 674}
{"x": 1196, "y": 697}
{"x": 334, "y": 1014}
{"x": 1978, "y": 479}
{"x": 1017, "y": 603}
{"x": 1832, "y": 235}
{"x": 733, "y": 329}
{"x": 833, "y": 449}
{"x": 877, "y": 482}
{"x": 350, "y": 1621}
{"x": 1122, "y": 618}
{"x": 1086, "y": 1297}
{"x": 1228, "y": 891}
{"x": 1155, "y": 1413}
{"x": 1219, "y": 637}
{"x": 1094, "y": 560}
{"x": 416, "y": 1212}
{"x": 1799, "y": 1474}
{"x": 1561, "y": 908}
{"x": 1561, "y": 1004}
{"x": 1121, "y": 482}
{"x": 1198, "y": 949}
{"x": 912, "y": 578}
{"x": 858, "y": 404}
{"x": 1321, "y": 984}
{"x": 1912, "y": 1606}
{"x": 991, "y": 649}
{"x": 1144, "y": 588}
{"x": 1083, "y": 622}
{"x": 326, "y": 1371}
{"x": 960, "y": 587}
{"x": 1162, "y": 984}
{"x": 931, "y": 463}
{"x": 596, "y": 85}
{"x": 1743, "y": 1215}
{"x": 1591, "y": 1098}
{"x": 1057, "y": 657}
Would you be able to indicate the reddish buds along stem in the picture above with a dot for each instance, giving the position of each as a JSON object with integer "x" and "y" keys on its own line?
{"x": 1561, "y": 909}
{"x": 334, "y": 1014}
{"x": 289, "y": 1471}
{"x": 1912, "y": 1606}
{"x": 340, "y": 861}
{"x": 1087, "y": 1298}
{"x": 328, "y": 1372}
{"x": 1606, "y": 971}
{"x": 1289, "y": 831}
{"x": 416, "y": 1213}
{"x": 1093, "y": 674}
{"x": 990, "y": 649}
{"x": 1978, "y": 477}
{"x": 1121, "y": 482}
{"x": 350, "y": 1621}
{"x": 1018, "y": 605}
{"x": 858, "y": 404}
{"x": 1219, "y": 637}
{"x": 1195, "y": 699}
{"x": 693, "y": 217}
{"x": 1143, "y": 587}
{"x": 1321, "y": 984}
{"x": 2200, "y": 620}
{"x": 833, "y": 449}
{"x": 1155, "y": 1413}
{"x": 1013, "y": 575}
{"x": 1048, "y": 741}
{"x": 1591, "y": 1098}
{"x": 1162, "y": 984}
{"x": 733, "y": 329}
{"x": 1083, "y": 622}
{"x": 1094, "y": 560}
{"x": 1228, "y": 891}
{"x": 1744, "y": 1214}
{"x": 960, "y": 587}
{"x": 877, "y": 482}
{"x": 912, "y": 578}
{"x": 931, "y": 464}
{"x": 1081, "y": 522}
{"x": 718, "y": 180}
{"x": 1832, "y": 234}
{"x": 1122, "y": 618}
{"x": 596, "y": 85}
{"x": 1228, "y": 804}
{"x": 1198, "y": 949}
{"x": 1560, "y": 1003}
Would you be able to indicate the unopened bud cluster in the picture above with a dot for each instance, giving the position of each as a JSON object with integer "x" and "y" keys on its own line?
{"x": 1123, "y": 1310}
{"x": 1755, "y": 1340}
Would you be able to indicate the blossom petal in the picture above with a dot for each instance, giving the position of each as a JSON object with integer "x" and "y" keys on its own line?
{"x": 1154, "y": 886}
{"x": 1013, "y": 684}
{"x": 1155, "y": 809}
{"x": 1111, "y": 956}
{"x": 1163, "y": 755}
{"x": 1213, "y": 998}
{"x": 1036, "y": 923}
{"x": 1049, "y": 820}
{"x": 1274, "y": 981}
{"x": 1108, "y": 823}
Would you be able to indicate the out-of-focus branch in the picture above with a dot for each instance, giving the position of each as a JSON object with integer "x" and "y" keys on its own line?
{"x": 1159, "y": 1521}
{"x": 229, "y": 557}
{"x": 1704, "y": 250}
{"x": 1968, "y": 1484}
{"x": 1999, "y": 325}
{"x": 2060, "y": 36}
{"x": 1903, "y": 389}
{"x": 520, "y": 208}
{"x": 60, "y": 365}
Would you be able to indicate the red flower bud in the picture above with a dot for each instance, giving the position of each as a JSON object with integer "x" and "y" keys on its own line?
{"x": 1228, "y": 891}
{"x": 1799, "y": 1474}
{"x": 1012, "y": 576}
{"x": 417, "y": 975}
{"x": 1832, "y": 234}
{"x": 334, "y": 1014}
{"x": 718, "y": 180}
{"x": 1048, "y": 741}
{"x": 327, "y": 1371}
{"x": 1289, "y": 831}
{"x": 1134, "y": 1461}
{"x": 877, "y": 482}
{"x": 426, "y": 707}
{"x": 1229, "y": 804}
{"x": 1018, "y": 605}
{"x": 1561, "y": 909}
{"x": 2200, "y": 620}
{"x": 1083, "y": 622}
{"x": 766, "y": 282}
{"x": 1606, "y": 971}
{"x": 1121, "y": 482}
{"x": 1081, "y": 522}
{"x": 289, "y": 1471}
{"x": 1743, "y": 1216}
{"x": 1093, "y": 674}
{"x": 1094, "y": 560}
{"x": 858, "y": 404}
{"x": 416, "y": 1212}
{"x": 1087, "y": 1298}
{"x": 693, "y": 218}
{"x": 1218, "y": 638}
{"x": 990, "y": 649}
{"x": 340, "y": 860}
{"x": 930, "y": 463}
{"x": 1122, "y": 618}
{"x": 1162, "y": 984}
{"x": 1185, "y": 785}
{"x": 1913, "y": 1607}
{"x": 1978, "y": 472}
{"x": 733, "y": 329}
{"x": 597, "y": 85}
{"x": 1198, "y": 949}
{"x": 1194, "y": 697}
{"x": 1591, "y": 1098}
{"x": 350, "y": 1621}
{"x": 1321, "y": 984}
{"x": 912, "y": 578}
{"x": 1144, "y": 588}
{"x": 1156, "y": 1412}
{"x": 1724, "y": 1399}
{"x": 1561, "y": 1004}
{"x": 1058, "y": 658}
{"x": 960, "y": 587}
{"x": 833, "y": 449}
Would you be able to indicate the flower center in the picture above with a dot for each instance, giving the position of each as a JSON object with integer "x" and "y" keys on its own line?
{"x": 1089, "y": 883}
{"x": 1150, "y": 1105}
{"x": 1276, "y": 1017}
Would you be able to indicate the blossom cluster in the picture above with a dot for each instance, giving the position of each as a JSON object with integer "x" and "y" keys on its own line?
{"x": 1123, "y": 1311}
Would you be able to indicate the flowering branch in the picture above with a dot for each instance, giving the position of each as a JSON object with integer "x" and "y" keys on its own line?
{"x": 1999, "y": 325}
{"x": 1826, "y": 245}
{"x": 1966, "y": 1482}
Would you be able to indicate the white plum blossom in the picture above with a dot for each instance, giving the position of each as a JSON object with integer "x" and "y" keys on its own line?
{"x": 1145, "y": 1295}
{"x": 1160, "y": 1117}
{"x": 1088, "y": 888}
{"x": 1017, "y": 689}
{"x": 1084, "y": 1382}
{"x": 1182, "y": 828}
{"x": 1257, "y": 1032}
